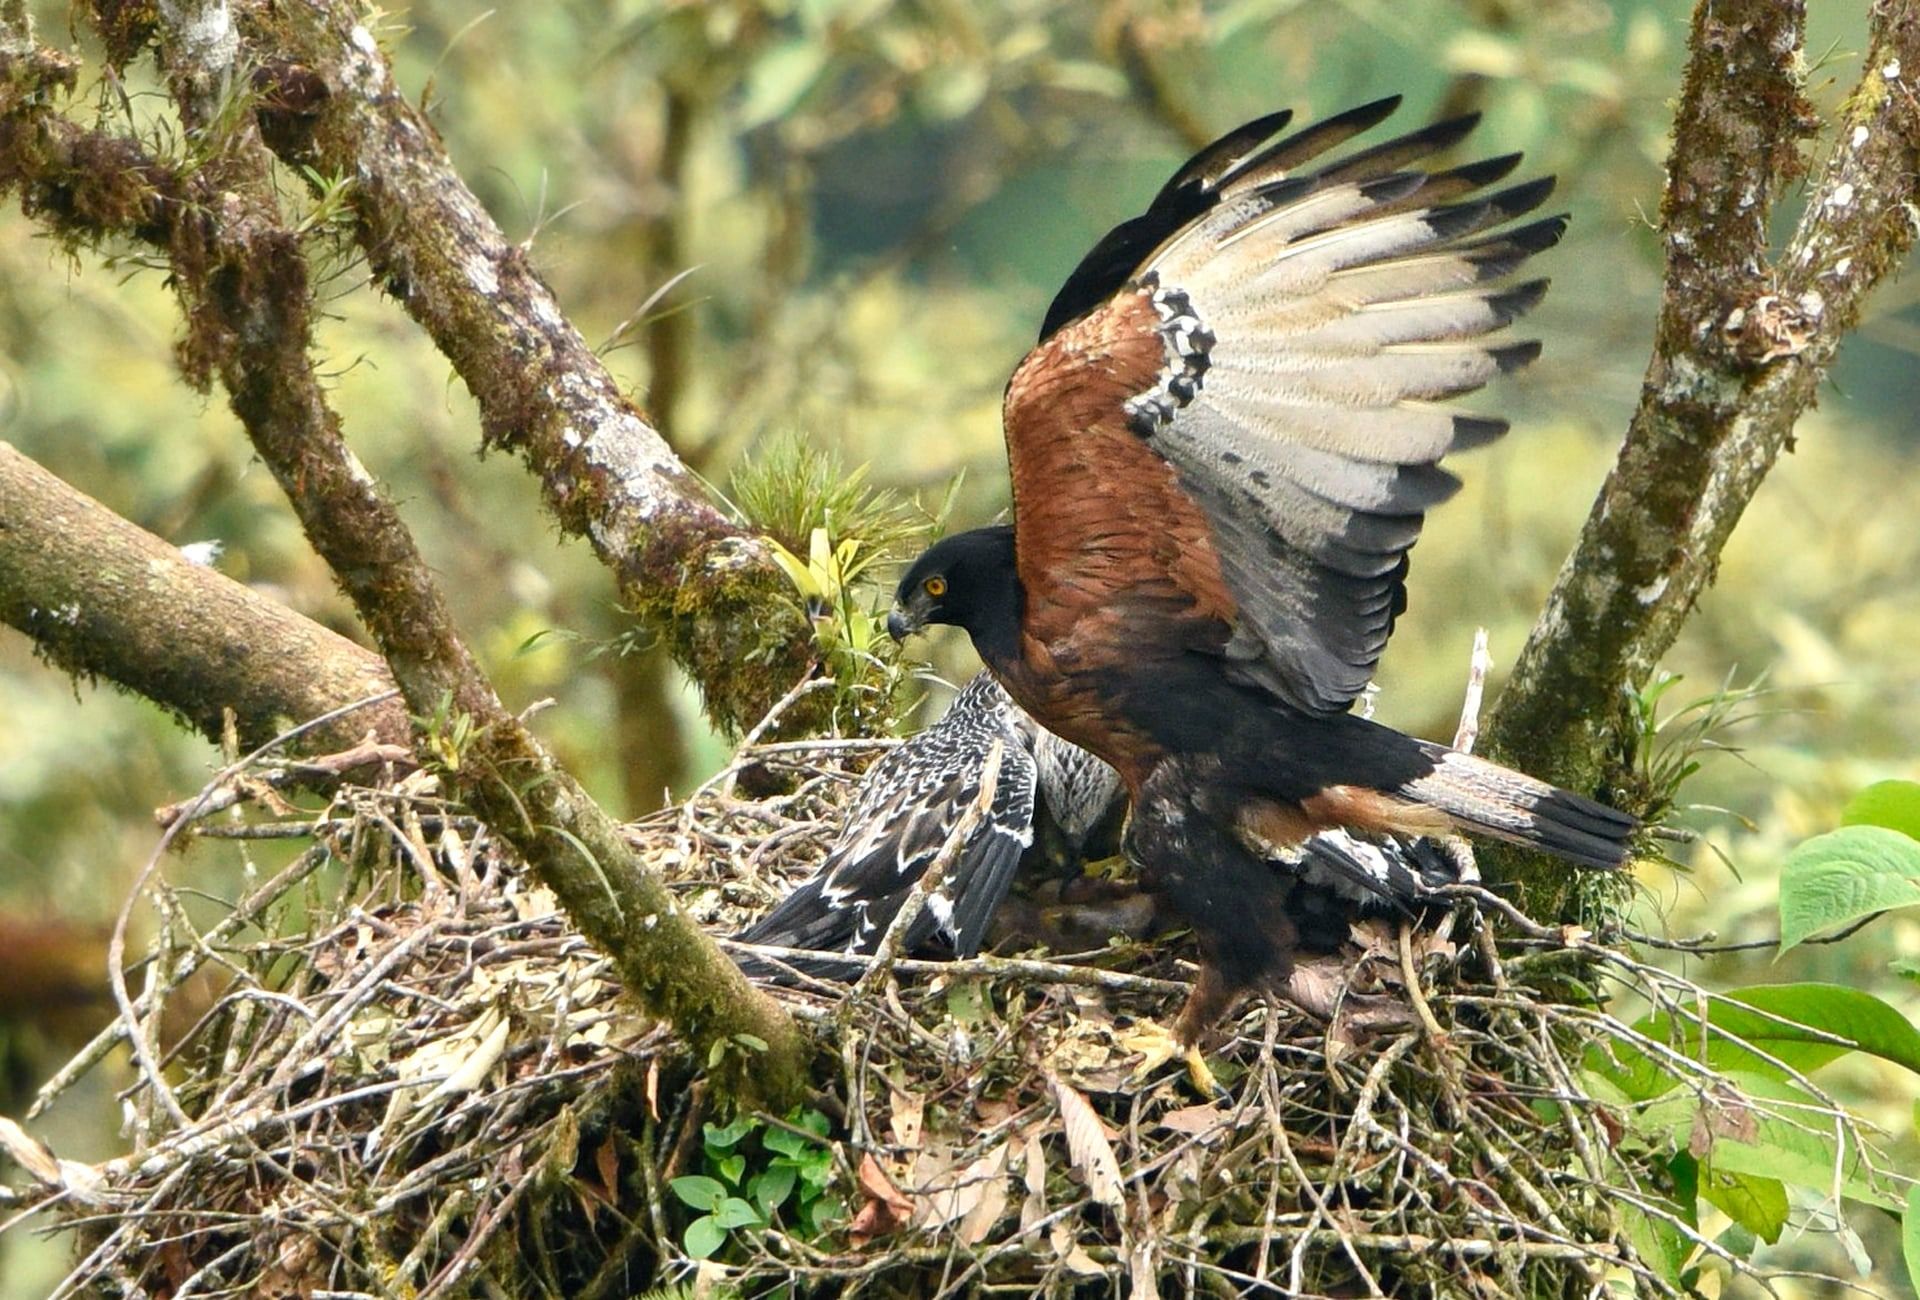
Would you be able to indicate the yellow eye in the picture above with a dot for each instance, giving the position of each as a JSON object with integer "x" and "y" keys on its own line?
{"x": 935, "y": 586}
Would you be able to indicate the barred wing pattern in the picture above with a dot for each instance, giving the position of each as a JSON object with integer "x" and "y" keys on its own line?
{"x": 908, "y": 804}
{"x": 1282, "y": 344}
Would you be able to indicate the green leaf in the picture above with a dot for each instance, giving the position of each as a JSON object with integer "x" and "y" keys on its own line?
{"x": 816, "y": 1167}
{"x": 1910, "y": 1237}
{"x": 780, "y": 79}
{"x": 724, "y": 1137}
{"x": 771, "y": 1187}
{"x": 1762, "y": 1141}
{"x": 812, "y": 1121}
{"x": 824, "y": 1213}
{"x": 1861, "y": 1018}
{"x": 699, "y": 1191}
{"x": 1816, "y": 1012}
{"x": 1656, "y": 1240}
{"x": 731, "y": 1167}
{"x": 783, "y": 1142}
{"x": 736, "y": 1213}
{"x": 1836, "y": 878}
{"x": 704, "y": 1236}
{"x": 1892, "y": 804}
{"x": 1756, "y": 1203}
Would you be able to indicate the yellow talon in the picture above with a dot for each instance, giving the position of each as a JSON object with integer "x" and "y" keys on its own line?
{"x": 1158, "y": 1045}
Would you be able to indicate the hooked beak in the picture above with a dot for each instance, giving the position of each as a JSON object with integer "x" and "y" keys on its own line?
{"x": 901, "y": 624}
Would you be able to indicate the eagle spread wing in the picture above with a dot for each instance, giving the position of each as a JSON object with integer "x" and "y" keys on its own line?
{"x": 1229, "y": 425}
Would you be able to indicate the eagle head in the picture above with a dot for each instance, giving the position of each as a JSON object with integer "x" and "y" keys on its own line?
{"x": 967, "y": 580}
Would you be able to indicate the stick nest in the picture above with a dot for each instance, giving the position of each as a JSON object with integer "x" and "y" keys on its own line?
{"x": 403, "y": 1073}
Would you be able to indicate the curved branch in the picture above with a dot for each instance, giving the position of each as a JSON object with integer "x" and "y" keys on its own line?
{"x": 242, "y": 279}
{"x": 102, "y": 597}
{"x": 329, "y": 103}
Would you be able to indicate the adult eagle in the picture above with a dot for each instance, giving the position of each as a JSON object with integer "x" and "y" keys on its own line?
{"x": 1222, "y": 449}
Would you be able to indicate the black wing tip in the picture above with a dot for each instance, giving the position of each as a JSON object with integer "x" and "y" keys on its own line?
{"x": 1484, "y": 172}
{"x": 1495, "y": 256}
{"x": 1453, "y": 220}
{"x": 1513, "y": 356}
{"x": 1511, "y": 304}
{"x": 1445, "y": 133}
{"x": 1370, "y": 113}
{"x": 1522, "y": 198}
{"x": 1470, "y": 431}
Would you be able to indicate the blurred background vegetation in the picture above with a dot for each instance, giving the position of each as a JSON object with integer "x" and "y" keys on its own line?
{"x": 842, "y": 219}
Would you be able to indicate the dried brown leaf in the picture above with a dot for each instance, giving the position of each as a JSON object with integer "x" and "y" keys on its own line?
{"x": 907, "y": 1118}
{"x": 1195, "y": 1121}
{"x": 1034, "y": 1174}
{"x": 886, "y": 1210}
{"x": 1088, "y": 1146}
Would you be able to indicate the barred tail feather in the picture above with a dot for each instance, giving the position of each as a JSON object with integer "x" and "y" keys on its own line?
{"x": 1486, "y": 799}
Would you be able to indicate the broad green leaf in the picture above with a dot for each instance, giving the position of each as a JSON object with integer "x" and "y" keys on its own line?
{"x": 1817, "y": 1012}
{"x": 825, "y": 1212}
{"x": 771, "y": 1187}
{"x": 704, "y": 1236}
{"x": 731, "y": 1167}
{"x": 783, "y": 1142}
{"x": 1756, "y": 1203}
{"x": 1656, "y": 1240}
{"x": 779, "y": 79}
{"x": 1910, "y": 1237}
{"x": 812, "y": 1121}
{"x": 699, "y": 1191}
{"x": 816, "y": 1167}
{"x": 736, "y": 1213}
{"x": 1892, "y": 804}
{"x": 1836, "y": 878}
{"x": 1859, "y": 1017}
{"x": 724, "y": 1137}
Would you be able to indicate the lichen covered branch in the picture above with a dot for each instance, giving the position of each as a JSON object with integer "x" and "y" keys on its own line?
{"x": 1742, "y": 344}
{"x": 242, "y": 279}
{"x": 329, "y": 103}
{"x": 102, "y": 597}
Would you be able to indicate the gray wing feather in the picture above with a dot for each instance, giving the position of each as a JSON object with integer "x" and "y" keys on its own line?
{"x": 1310, "y": 321}
{"x": 908, "y": 805}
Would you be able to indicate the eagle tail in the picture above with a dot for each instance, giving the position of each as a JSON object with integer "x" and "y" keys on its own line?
{"x": 1484, "y": 798}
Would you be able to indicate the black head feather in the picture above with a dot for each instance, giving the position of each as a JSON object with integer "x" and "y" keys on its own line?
{"x": 967, "y": 580}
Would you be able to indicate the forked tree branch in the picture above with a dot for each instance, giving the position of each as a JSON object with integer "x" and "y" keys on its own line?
{"x": 1743, "y": 343}
{"x": 329, "y": 104}
{"x": 242, "y": 279}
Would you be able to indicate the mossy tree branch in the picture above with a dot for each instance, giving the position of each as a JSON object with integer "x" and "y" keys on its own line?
{"x": 328, "y": 102}
{"x": 243, "y": 282}
{"x": 1743, "y": 342}
{"x": 102, "y": 597}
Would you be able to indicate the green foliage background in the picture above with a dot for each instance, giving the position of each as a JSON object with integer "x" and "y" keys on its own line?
{"x": 877, "y": 199}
